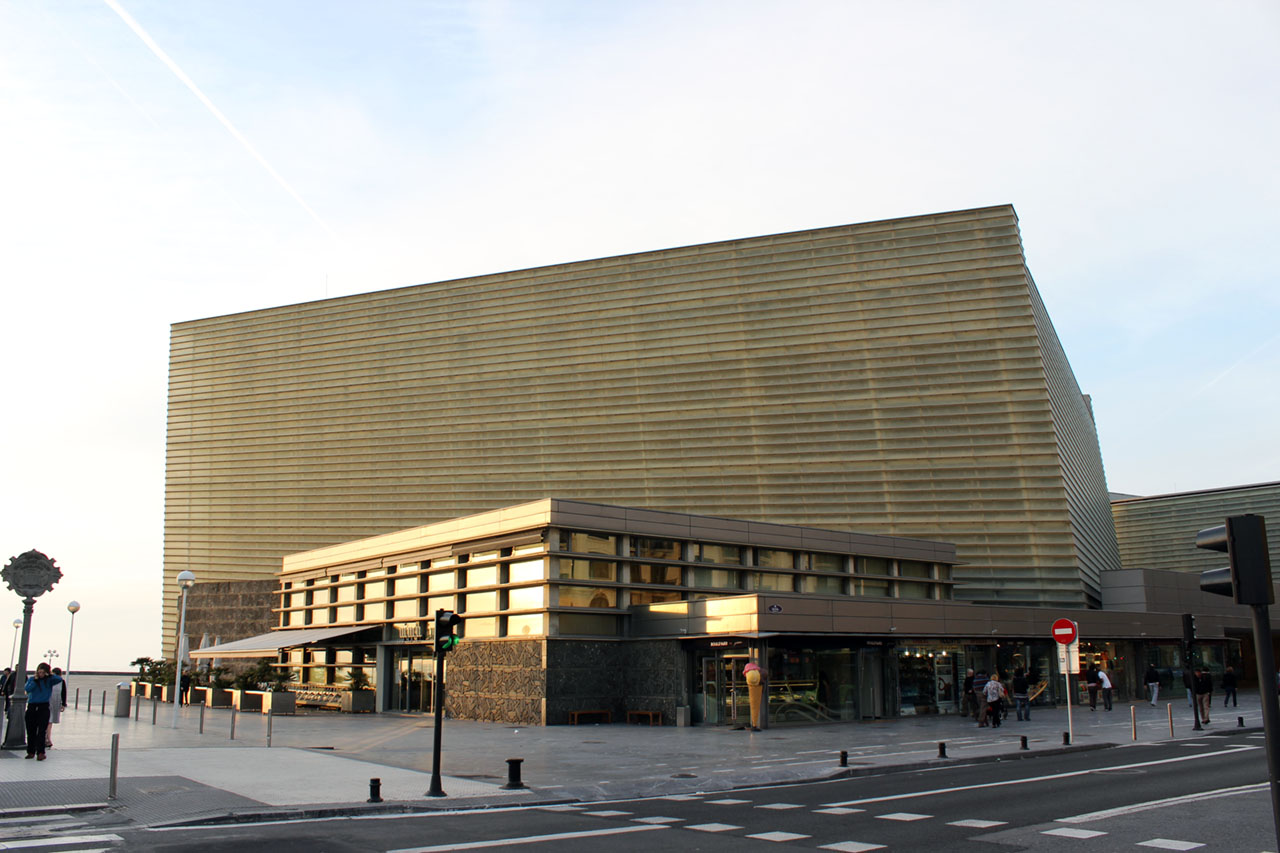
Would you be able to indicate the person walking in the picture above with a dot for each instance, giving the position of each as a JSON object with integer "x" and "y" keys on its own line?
{"x": 967, "y": 703}
{"x": 1189, "y": 683}
{"x": 1229, "y": 684}
{"x": 57, "y": 704}
{"x": 1203, "y": 682}
{"x": 1104, "y": 684}
{"x": 40, "y": 688}
{"x": 1152, "y": 678}
{"x": 1091, "y": 684}
{"x": 6, "y": 688}
{"x": 1020, "y": 698}
{"x": 994, "y": 692}
{"x": 980, "y": 698}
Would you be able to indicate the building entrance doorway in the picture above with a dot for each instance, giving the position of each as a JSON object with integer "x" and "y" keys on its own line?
{"x": 412, "y": 672}
{"x": 721, "y": 694}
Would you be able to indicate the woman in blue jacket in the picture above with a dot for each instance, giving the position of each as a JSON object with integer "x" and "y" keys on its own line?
{"x": 40, "y": 689}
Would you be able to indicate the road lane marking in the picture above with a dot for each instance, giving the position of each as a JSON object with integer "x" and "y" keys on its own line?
{"x": 729, "y": 802}
{"x": 780, "y": 806}
{"x": 903, "y": 816}
{"x": 851, "y": 847}
{"x": 973, "y": 823}
{"x": 60, "y": 840}
{"x": 1164, "y": 803}
{"x": 1068, "y": 775}
{"x": 778, "y": 836}
{"x": 838, "y": 810}
{"x": 607, "y": 813}
{"x": 1170, "y": 844}
{"x": 528, "y": 839}
{"x": 657, "y": 819}
{"x": 712, "y": 827}
{"x": 1073, "y": 833}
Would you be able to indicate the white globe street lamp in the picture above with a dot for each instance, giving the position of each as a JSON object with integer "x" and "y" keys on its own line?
{"x": 186, "y": 580}
{"x": 17, "y": 623}
{"x": 73, "y": 608}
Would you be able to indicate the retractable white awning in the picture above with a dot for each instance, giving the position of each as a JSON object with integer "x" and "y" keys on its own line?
{"x": 267, "y": 645}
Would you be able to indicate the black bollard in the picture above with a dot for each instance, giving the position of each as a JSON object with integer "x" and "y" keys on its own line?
{"x": 1024, "y": 742}
{"x": 513, "y": 774}
{"x": 844, "y": 758}
{"x": 1066, "y": 738}
{"x": 375, "y": 791}
{"x": 942, "y": 749}
{"x": 1240, "y": 722}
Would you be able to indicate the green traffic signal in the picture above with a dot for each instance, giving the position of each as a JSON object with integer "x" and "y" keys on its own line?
{"x": 450, "y": 642}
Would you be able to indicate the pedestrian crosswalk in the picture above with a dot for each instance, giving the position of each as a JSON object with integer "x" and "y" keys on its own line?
{"x": 54, "y": 834}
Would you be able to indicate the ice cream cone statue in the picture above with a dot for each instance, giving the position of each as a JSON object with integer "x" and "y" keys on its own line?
{"x": 754, "y": 691}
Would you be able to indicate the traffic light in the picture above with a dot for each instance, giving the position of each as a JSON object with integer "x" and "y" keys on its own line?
{"x": 1248, "y": 579}
{"x": 446, "y": 640}
{"x": 1188, "y": 628}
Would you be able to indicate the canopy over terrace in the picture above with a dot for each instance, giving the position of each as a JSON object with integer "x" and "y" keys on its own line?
{"x": 269, "y": 645}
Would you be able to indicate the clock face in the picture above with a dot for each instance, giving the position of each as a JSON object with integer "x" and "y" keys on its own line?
{"x": 31, "y": 574}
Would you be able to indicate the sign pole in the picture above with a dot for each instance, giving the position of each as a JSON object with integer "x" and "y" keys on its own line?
{"x": 1067, "y": 635}
{"x": 1072, "y": 654}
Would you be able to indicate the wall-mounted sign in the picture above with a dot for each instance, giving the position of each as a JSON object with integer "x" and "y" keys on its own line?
{"x": 775, "y": 608}
{"x": 409, "y": 630}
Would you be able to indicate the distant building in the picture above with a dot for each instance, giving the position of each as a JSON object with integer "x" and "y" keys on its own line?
{"x": 901, "y": 377}
{"x": 1159, "y": 532}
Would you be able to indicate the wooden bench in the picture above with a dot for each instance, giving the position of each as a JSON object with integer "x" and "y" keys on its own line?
{"x": 575, "y": 717}
{"x": 654, "y": 717}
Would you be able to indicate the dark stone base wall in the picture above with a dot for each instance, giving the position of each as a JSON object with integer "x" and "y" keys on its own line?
{"x": 231, "y": 610}
{"x": 586, "y": 675}
{"x": 500, "y": 681}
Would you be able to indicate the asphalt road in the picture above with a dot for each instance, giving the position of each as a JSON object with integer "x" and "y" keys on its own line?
{"x": 1207, "y": 794}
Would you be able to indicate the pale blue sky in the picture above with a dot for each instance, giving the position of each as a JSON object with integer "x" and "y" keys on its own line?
{"x": 415, "y": 142}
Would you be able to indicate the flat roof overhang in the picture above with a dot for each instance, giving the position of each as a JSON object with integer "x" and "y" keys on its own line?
{"x": 268, "y": 645}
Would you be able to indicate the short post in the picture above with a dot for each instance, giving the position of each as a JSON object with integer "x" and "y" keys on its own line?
{"x": 137, "y": 704}
{"x": 155, "y": 707}
{"x": 115, "y": 763}
{"x": 844, "y": 758}
{"x": 104, "y": 703}
{"x": 1239, "y": 722}
{"x": 1024, "y": 743}
{"x": 1169, "y": 707}
{"x": 77, "y": 705}
{"x": 268, "y": 728}
{"x": 513, "y": 774}
{"x": 942, "y": 749}
{"x": 1133, "y": 720}
{"x": 1066, "y": 738}
{"x": 201, "y": 718}
{"x": 375, "y": 790}
{"x": 233, "y": 723}
{"x": 88, "y": 705}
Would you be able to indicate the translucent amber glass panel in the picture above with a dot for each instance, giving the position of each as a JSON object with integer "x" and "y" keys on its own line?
{"x": 589, "y": 570}
{"x": 440, "y": 581}
{"x": 717, "y": 578}
{"x": 441, "y": 602}
{"x": 585, "y": 596}
{"x": 486, "y": 627}
{"x": 821, "y": 585}
{"x": 768, "y": 558}
{"x": 480, "y": 602}
{"x": 588, "y": 543}
{"x": 487, "y": 576}
{"x": 347, "y": 592}
{"x": 873, "y": 566}
{"x": 525, "y": 570}
{"x": 826, "y": 562}
{"x": 656, "y": 549}
{"x": 873, "y": 588}
{"x": 912, "y": 589}
{"x": 912, "y": 569}
{"x": 643, "y": 573}
{"x": 405, "y": 609}
{"x": 532, "y": 623}
{"x": 526, "y": 598}
{"x": 725, "y": 554}
{"x": 768, "y": 581}
{"x": 655, "y": 596}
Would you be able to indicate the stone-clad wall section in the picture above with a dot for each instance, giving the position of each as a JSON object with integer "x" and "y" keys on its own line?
{"x": 231, "y": 610}
{"x": 586, "y": 675}
{"x": 500, "y": 682}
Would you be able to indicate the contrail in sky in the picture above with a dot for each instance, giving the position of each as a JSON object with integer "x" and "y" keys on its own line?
{"x": 226, "y": 122}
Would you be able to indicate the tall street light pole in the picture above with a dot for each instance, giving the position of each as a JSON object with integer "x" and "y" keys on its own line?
{"x": 73, "y": 608}
{"x": 30, "y": 575}
{"x": 186, "y": 580}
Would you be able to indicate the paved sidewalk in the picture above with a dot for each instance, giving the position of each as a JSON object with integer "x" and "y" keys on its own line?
{"x": 321, "y": 763}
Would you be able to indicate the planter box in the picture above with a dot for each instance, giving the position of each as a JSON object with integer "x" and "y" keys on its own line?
{"x": 358, "y": 701}
{"x": 279, "y": 702}
{"x": 246, "y": 700}
{"x": 217, "y": 697}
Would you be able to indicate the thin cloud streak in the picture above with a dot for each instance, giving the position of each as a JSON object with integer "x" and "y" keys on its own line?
{"x": 217, "y": 113}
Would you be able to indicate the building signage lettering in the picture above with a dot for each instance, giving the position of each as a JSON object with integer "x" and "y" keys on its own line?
{"x": 409, "y": 630}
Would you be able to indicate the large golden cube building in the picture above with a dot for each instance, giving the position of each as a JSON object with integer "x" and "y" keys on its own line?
{"x": 898, "y": 377}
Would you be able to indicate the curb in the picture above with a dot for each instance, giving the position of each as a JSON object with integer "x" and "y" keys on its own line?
{"x": 43, "y": 811}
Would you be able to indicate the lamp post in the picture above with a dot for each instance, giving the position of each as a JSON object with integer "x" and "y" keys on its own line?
{"x": 30, "y": 575}
{"x": 73, "y": 607}
{"x": 17, "y": 623}
{"x": 186, "y": 580}
{"x": 50, "y": 655}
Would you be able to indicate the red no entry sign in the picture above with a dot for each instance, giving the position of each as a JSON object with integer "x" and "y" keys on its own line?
{"x": 1064, "y": 631}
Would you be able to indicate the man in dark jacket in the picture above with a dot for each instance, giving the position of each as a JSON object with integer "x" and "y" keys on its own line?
{"x": 1204, "y": 692}
{"x": 1229, "y": 688}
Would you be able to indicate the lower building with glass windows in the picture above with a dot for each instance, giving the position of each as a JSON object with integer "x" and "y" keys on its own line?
{"x": 570, "y": 607}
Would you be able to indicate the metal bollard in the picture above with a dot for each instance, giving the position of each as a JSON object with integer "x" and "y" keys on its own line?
{"x": 202, "y": 718}
{"x": 513, "y": 774}
{"x": 1024, "y": 743}
{"x": 137, "y": 704}
{"x": 115, "y": 765}
{"x": 155, "y": 707}
{"x": 375, "y": 791}
{"x": 1133, "y": 720}
{"x": 77, "y": 705}
{"x": 104, "y": 703}
{"x": 1240, "y": 722}
{"x": 942, "y": 749}
{"x": 89, "y": 705}
{"x": 1066, "y": 738}
{"x": 1169, "y": 707}
{"x": 268, "y": 728}
{"x": 844, "y": 758}
{"x": 233, "y": 723}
